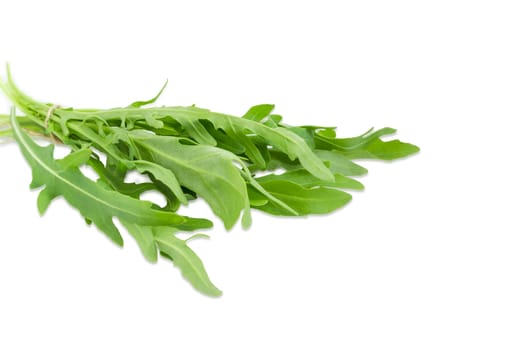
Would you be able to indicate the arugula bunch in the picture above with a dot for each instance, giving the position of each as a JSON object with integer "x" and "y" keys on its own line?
{"x": 234, "y": 163}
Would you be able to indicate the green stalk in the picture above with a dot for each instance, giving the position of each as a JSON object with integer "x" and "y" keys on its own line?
{"x": 5, "y": 133}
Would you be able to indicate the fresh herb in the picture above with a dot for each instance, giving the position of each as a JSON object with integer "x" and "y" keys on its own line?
{"x": 234, "y": 163}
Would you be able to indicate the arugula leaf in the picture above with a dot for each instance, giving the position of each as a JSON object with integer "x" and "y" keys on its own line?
{"x": 367, "y": 146}
{"x": 145, "y": 238}
{"x": 303, "y": 200}
{"x": 208, "y": 171}
{"x": 139, "y": 104}
{"x": 165, "y": 175}
{"x": 114, "y": 179}
{"x": 258, "y": 112}
{"x": 186, "y": 260}
{"x": 305, "y": 134}
{"x": 273, "y": 120}
{"x": 305, "y": 179}
{"x": 350, "y": 143}
{"x": 340, "y": 164}
{"x": 93, "y": 201}
{"x": 385, "y": 150}
{"x": 190, "y": 119}
{"x": 281, "y": 138}
{"x": 250, "y": 148}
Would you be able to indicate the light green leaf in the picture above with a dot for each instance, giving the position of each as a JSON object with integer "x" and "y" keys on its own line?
{"x": 197, "y": 131}
{"x": 114, "y": 179}
{"x": 100, "y": 142}
{"x": 259, "y": 112}
{"x": 330, "y": 132}
{"x": 93, "y": 201}
{"x": 186, "y": 260}
{"x": 75, "y": 159}
{"x": 257, "y": 199}
{"x": 139, "y": 104}
{"x": 281, "y": 138}
{"x": 385, "y": 150}
{"x": 197, "y": 236}
{"x": 250, "y": 148}
{"x": 223, "y": 140}
{"x": 166, "y": 176}
{"x": 305, "y": 134}
{"x": 368, "y": 146}
{"x": 350, "y": 143}
{"x": 305, "y": 179}
{"x": 340, "y": 164}
{"x": 191, "y": 118}
{"x": 144, "y": 236}
{"x": 303, "y": 200}
{"x": 44, "y": 199}
{"x": 208, "y": 171}
{"x": 153, "y": 122}
{"x": 192, "y": 224}
{"x": 273, "y": 121}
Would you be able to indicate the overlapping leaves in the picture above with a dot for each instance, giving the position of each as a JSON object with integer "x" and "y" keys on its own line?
{"x": 188, "y": 152}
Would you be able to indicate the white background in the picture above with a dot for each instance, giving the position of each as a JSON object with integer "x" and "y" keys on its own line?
{"x": 420, "y": 260}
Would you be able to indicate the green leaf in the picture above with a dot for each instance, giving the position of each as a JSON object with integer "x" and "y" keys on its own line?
{"x": 303, "y": 200}
{"x": 223, "y": 140}
{"x": 281, "y": 138}
{"x": 255, "y": 190}
{"x": 259, "y": 112}
{"x": 208, "y": 171}
{"x": 329, "y": 133}
{"x": 192, "y": 224}
{"x": 166, "y": 176}
{"x": 75, "y": 159}
{"x": 197, "y": 131}
{"x": 305, "y": 179}
{"x": 114, "y": 179}
{"x": 367, "y": 146}
{"x": 305, "y": 134}
{"x": 93, "y": 201}
{"x": 350, "y": 143}
{"x": 153, "y": 122}
{"x": 144, "y": 236}
{"x": 106, "y": 145}
{"x": 191, "y": 118}
{"x": 186, "y": 260}
{"x": 273, "y": 121}
{"x": 257, "y": 199}
{"x": 197, "y": 236}
{"x": 280, "y": 160}
{"x": 44, "y": 199}
{"x": 385, "y": 150}
{"x": 340, "y": 164}
{"x": 250, "y": 148}
{"x": 139, "y": 104}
